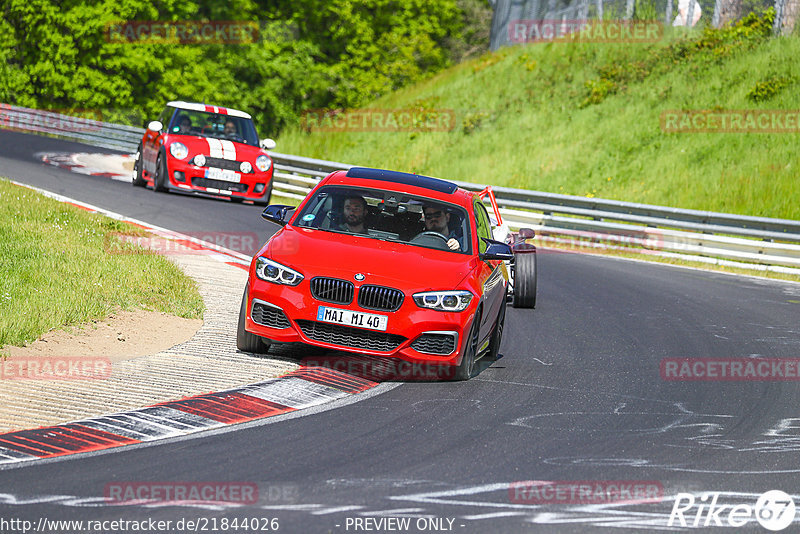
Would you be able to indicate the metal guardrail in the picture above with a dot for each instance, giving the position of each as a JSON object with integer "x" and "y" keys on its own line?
{"x": 590, "y": 223}
{"x": 584, "y": 223}
{"x": 84, "y": 130}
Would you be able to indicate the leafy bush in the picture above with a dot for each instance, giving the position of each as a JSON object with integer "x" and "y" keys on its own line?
{"x": 766, "y": 89}
{"x": 54, "y": 54}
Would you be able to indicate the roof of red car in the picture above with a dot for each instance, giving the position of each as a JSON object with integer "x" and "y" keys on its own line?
{"x": 403, "y": 182}
{"x": 195, "y": 106}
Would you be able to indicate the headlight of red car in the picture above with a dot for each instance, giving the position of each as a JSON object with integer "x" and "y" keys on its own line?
{"x": 272, "y": 271}
{"x": 449, "y": 301}
{"x": 263, "y": 163}
{"x": 178, "y": 150}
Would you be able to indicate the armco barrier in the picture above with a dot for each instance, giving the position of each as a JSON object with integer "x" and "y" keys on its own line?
{"x": 555, "y": 217}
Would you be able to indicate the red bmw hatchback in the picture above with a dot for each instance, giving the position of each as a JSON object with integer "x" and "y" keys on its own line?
{"x": 381, "y": 263}
{"x": 205, "y": 149}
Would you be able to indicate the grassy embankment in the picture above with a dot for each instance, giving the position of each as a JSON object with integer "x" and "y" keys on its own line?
{"x": 584, "y": 119}
{"x": 56, "y": 269}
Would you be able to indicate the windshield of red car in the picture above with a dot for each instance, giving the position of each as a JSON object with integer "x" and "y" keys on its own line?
{"x": 216, "y": 125}
{"x": 387, "y": 215}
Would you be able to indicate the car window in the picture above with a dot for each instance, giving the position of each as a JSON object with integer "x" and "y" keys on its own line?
{"x": 385, "y": 215}
{"x": 483, "y": 224}
{"x": 215, "y": 125}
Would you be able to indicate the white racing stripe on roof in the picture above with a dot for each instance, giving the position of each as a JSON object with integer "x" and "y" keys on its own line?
{"x": 214, "y": 147}
{"x": 194, "y": 106}
{"x": 228, "y": 149}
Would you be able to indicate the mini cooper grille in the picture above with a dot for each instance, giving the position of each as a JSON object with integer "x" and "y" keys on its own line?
{"x": 379, "y": 298}
{"x": 220, "y": 184}
{"x": 269, "y": 316}
{"x": 332, "y": 290}
{"x": 350, "y": 337}
{"x": 220, "y": 163}
{"x": 435, "y": 343}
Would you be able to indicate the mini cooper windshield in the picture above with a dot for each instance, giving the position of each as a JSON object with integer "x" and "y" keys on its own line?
{"x": 216, "y": 125}
{"x": 388, "y": 215}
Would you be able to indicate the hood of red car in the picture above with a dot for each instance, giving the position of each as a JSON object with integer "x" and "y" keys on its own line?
{"x": 217, "y": 148}
{"x": 405, "y": 267}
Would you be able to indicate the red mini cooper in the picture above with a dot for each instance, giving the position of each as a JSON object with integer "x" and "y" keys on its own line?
{"x": 205, "y": 149}
{"x": 381, "y": 263}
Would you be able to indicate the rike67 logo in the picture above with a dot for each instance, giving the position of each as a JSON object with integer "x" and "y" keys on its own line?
{"x": 774, "y": 510}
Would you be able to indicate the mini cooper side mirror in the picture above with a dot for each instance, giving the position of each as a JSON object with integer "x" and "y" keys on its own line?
{"x": 155, "y": 126}
{"x": 496, "y": 250}
{"x": 267, "y": 144}
{"x": 276, "y": 213}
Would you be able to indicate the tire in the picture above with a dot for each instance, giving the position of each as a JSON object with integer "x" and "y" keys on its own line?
{"x": 464, "y": 370}
{"x": 161, "y": 173}
{"x": 497, "y": 333}
{"x": 245, "y": 341}
{"x": 525, "y": 280}
{"x": 138, "y": 179}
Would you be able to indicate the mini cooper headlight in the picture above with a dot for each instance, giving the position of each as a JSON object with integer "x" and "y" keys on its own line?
{"x": 276, "y": 273}
{"x": 178, "y": 150}
{"x": 245, "y": 167}
{"x": 449, "y": 301}
{"x": 263, "y": 163}
{"x": 200, "y": 160}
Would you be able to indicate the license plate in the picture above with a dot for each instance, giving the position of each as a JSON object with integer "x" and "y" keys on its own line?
{"x": 223, "y": 174}
{"x": 352, "y": 318}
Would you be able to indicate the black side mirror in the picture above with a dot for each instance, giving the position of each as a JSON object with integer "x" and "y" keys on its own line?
{"x": 276, "y": 213}
{"x": 496, "y": 250}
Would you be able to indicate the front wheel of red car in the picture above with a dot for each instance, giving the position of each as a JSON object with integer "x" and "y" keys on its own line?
{"x": 464, "y": 370}
{"x": 138, "y": 179}
{"x": 245, "y": 341}
{"x": 159, "y": 183}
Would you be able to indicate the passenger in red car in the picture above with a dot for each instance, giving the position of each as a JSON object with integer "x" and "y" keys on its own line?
{"x": 355, "y": 213}
{"x": 437, "y": 220}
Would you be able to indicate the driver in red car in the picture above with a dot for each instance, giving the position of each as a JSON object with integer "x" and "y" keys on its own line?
{"x": 437, "y": 220}
{"x": 230, "y": 129}
{"x": 355, "y": 215}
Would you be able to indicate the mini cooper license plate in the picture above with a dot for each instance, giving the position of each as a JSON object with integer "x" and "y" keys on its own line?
{"x": 226, "y": 175}
{"x": 352, "y": 318}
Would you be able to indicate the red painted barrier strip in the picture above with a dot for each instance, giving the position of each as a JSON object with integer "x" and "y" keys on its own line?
{"x": 100, "y": 436}
{"x": 228, "y": 407}
{"x": 328, "y": 377}
{"x": 20, "y": 444}
{"x": 239, "y": 265}
{"x": 56, "y": 439}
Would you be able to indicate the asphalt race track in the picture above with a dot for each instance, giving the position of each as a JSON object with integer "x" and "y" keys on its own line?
{"x": 577, "y": 396}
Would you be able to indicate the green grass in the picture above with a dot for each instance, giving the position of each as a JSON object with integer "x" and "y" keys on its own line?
{"x": 584, "y": 119}
{"x": 56, "y": 271}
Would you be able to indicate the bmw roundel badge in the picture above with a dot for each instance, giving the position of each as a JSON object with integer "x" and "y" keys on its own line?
{"x": 359, "y": 277}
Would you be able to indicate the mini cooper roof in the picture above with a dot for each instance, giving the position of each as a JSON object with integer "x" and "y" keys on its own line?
{"x": 194, "y": 106}
{"x": 436, "y": 188}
